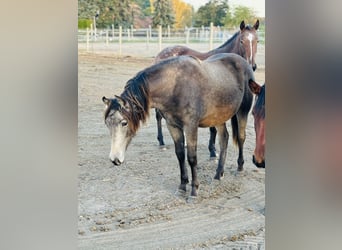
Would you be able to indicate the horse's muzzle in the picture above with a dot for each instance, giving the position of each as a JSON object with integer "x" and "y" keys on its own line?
{"x": 254, "y": 67}
{"x": 117, "y": 162}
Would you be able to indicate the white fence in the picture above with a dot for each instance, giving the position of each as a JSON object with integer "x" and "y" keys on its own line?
{"x": 178, "y": 36}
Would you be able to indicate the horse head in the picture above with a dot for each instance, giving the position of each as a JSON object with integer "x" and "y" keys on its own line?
{"x": 116, "y": 119}
{"x": 249, "y": 41}
{"x": 259, "y": 123}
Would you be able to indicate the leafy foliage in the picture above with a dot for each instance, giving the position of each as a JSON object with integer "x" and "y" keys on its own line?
{"x": 183, "y": 14}
{"x": 163, "y": 13}
{"x": 242, "y": 13}
{"x": 214, "y": 11}
{"x": 177, "y": 13}
{"x": 84, "y": 23}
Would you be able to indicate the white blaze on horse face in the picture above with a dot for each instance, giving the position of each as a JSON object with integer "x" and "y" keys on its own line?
{"x": 119, "y": 144}
{"x": 118, "y": 129}
{"x": 250, "y": 37}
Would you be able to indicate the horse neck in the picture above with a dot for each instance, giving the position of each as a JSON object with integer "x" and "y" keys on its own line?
{"x": 231, "y": 46}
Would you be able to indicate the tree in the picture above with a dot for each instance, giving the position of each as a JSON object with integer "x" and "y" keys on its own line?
{"x": 183, "y": 13}
{"x": 214, "y": 11}
{"x": 163, "y": 13}
{"x": 107, "y": 12}
{"x": 242, "y": 13}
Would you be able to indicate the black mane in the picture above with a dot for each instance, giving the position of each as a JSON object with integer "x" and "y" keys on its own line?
{"x": 136, "y": 95}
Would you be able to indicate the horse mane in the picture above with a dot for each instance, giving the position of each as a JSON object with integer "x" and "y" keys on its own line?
{"x": 236, "y": 34}
{"x": 259, "y": 107}
{"x": 136, "y": 95}
{"x": 230, "y": 40}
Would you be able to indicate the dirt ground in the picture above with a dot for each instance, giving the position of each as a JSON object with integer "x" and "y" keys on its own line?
{"x": 137, "y": 205}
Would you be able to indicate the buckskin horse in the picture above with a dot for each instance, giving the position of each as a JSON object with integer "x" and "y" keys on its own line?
{"x": 258, "y": 112}
{"x": 191, "y": 93}
{"x": 243, "y": 42}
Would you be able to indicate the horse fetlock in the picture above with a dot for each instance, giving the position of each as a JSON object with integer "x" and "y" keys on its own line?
{"x": 194, "y": 189}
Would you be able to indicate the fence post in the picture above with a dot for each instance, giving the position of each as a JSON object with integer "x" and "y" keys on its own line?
{"x": 107, "y": 37}
{"x": 168, "y": 32}
{"x": 211, "y": 36}
{"x": 87, "y": 37}
{"x": 187, "y": 30}
{"x": 94, "y": 28}
{"x": 113, "y": 32}
{"x": 150, "y": 31}
{"x": 147, "y": 39}
{"x": 120, "y": 39}
{"x": 160, "y": 37}
{"x": 203, "y": 34}
{"x": 91, "y": 31}
{"x": 132, "y": 31}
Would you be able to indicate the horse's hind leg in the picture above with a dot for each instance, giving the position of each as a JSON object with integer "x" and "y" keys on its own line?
{"x": 223, "y": 140}
{"x": 241, "y": 121}
{"x": 191, "y": 138}
{"x": 160, "y": 138}
{"x": 178, "y": 138}
{"x": 211, "y": 146}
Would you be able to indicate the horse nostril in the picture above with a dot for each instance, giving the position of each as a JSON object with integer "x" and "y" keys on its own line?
{"x": 116, "y": 162}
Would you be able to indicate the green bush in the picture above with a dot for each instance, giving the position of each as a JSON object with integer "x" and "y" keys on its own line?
{"x": 84, "y": 23}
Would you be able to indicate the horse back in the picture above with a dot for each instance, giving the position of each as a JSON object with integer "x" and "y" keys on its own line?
{"x": 179, "y": 51}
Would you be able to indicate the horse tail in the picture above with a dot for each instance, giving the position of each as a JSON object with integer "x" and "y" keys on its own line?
{"x": 235, "y": 129}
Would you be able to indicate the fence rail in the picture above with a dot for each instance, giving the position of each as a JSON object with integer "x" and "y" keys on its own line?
{"x": 187, "y": 35}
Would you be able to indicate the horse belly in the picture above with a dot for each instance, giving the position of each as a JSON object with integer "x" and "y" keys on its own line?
{"x": 218, "y": 117}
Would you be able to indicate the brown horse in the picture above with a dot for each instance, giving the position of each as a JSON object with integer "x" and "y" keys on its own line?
{"x": 258, "y": 112}
{"x": 243, "y": 42}
{"x": 191, "y": 94}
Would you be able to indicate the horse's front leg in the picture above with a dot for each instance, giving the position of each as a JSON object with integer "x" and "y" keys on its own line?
{"x": 178, "y": 138}
{"x": 191, "y": 139}
{"x": 223, "y": 139}
{"x": 160, "y": 138}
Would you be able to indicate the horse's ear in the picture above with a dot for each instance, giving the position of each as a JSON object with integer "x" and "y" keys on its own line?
{"x": 254, "y": 87}
{"x": 242, "y": 25}
{"x": 256, "y": 25}
{"x": 106, "y": 101}
{"x": 120, "y": 101}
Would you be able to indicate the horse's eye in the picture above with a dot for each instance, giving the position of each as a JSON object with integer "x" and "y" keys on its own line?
{"x": 124, "y": 123}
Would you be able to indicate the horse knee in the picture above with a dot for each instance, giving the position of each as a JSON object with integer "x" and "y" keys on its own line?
{"x": 192, "y": 160}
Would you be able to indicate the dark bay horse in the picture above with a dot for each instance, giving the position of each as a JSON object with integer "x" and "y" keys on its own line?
{"x": 258, "y": 112}
{"x": 243, "y": 42}
{"x": 191, "y": 94}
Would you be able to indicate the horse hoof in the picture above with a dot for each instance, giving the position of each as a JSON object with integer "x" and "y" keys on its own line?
{"x": 212, "y": 158}
{"x": 162, "y": 147}
{"x": 194, "y": 193}
{"x": 182, "y": 187}
{"x": 219, "y": 176}
{"x": 257, "y": 164}
{"x": 213, "y": 155}
{"x": 240, "y": 168}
